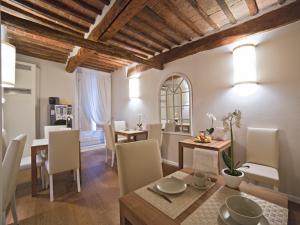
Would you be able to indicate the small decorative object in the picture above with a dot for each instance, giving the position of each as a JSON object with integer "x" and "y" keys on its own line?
{"x": 202, "y": 138}
{"x": 140, "y": 124}
{"x": 212, "y": 118}
{"x": 232, "y": 176}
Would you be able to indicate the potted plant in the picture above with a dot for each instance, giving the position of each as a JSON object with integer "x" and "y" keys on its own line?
{"x": 232, "y": 176}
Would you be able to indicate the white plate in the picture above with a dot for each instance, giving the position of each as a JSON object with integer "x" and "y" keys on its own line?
{"x": 171, "y": 185}
{"x": 225, "y": 216}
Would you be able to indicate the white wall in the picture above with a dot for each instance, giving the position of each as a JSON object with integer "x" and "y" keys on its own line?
{"x": 54, "y": 82}
{"x": 275, "y": 103}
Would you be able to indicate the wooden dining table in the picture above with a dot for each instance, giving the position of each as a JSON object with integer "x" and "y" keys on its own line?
{"x": 190, "y": 144}
{"x": 130, "y": 134}
{"x": 135, "y": 210}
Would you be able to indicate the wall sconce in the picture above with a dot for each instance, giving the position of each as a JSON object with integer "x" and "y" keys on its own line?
{"x": 244, "y": 64}
{"x": 134, "y": 87}
{"x": 8, "y": 64}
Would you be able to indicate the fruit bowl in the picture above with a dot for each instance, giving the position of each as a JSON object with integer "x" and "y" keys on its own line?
{"x": 202, "y": 138}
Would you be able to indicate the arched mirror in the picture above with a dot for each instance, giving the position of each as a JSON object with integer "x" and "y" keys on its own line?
{"x": 175, "y": 104}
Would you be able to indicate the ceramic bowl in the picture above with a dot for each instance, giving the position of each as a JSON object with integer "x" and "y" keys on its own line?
{"x": 243, "y": 210}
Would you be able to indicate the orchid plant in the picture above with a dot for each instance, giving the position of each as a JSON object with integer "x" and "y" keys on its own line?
{"x": 229, "y": 121}
{"x": 212, "y": 118}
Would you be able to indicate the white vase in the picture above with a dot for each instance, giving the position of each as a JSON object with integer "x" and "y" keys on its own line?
{"x": 232, "y": 181}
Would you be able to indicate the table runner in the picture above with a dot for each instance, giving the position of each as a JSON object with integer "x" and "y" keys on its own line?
{"x": 208, "y": 212}
{"x": 179, "y": 202}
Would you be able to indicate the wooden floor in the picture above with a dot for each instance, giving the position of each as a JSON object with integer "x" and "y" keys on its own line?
{"x": 97, "y": 204}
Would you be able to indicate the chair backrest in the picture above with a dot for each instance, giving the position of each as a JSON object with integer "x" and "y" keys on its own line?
{"x": 48, "y": 129}
{"x": 206, "y": 161}
{"x": 263, "y": 146}
{"x": 109, "y": 137}
{"x": 4, "y": 142}
{"x": 63, "y": 151}
{"x": 10, "y": 168}
{"x": 154, "y": 132}
{"x": 170, "y": 127}
{"x": 139, "y": 163}
{"x": 120, "y": 125}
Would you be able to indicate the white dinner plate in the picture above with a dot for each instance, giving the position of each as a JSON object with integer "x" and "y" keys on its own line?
{"x": 225, "y": 216}
{"x": 171, "y": 185}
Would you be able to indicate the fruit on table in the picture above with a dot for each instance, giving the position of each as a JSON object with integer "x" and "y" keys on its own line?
{"x": 202, "y": 137}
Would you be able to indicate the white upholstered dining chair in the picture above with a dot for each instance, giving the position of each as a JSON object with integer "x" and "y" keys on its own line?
{"x": 63, "y": 155}
{"x": 48, "y": 129}
{"x": 139, "y": 163}
{"x": 110, "y": 142}
{"x": 170, "y": 127}
{"x": 10, "y": 169}
{"x": 120, "y": 125}
{"x": 154, "y": 132}
{"x": 206, "y": 161}
{"x": 262, "y": 158}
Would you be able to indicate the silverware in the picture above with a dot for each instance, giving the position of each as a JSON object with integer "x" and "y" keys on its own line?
{"x": 160, "y": 194}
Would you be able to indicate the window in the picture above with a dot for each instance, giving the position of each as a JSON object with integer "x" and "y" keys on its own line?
{"x": 175, "y": 104}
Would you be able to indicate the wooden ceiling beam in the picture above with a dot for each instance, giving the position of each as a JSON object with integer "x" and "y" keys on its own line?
{"x": 84, "y": 43}
{"x": 38, "y": 39}
{"x": 11, "y": 10}
{"x": 173, "y": 8}
{"x": 100, "y": 64}
{"x": 41, "y": 56}
{"x": 88, "y": 6}
{"x": 145, "y": 36}
{"x": 280, "y": 17}
{"x": 124, "y": 61}
{"x": 59, "y": 7}
{"x": 131, "y": 46}
{"x": 280, "y": 2}
{"x": 105, "y": 2}
{"x": 203, "y": 15}
{"x": 133, "y": 40}
{"x": 40, "y": 12}
{"x": 252, "y": 6}
{"x": 120, "y": 13}
{"x": 224, "y": 7}
{"x": 123, "y": 45}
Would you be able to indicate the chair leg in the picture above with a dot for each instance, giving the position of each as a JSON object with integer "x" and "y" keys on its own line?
{"x": 43, "y": 177}
{"x": 51, "y": 188}
{"x": 74, "y": 175}
{"x": 14, "y": 210}
{"x": 78, "y": 180}
{"x": 106, "y": 153}
{"x": 112, "y": 159}
{"x": 3, "y": 218}
{"x": 275, "y": 188}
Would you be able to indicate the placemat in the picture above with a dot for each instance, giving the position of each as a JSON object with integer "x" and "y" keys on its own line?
{"x": 179, "y": 203}
{"x": 208, "y": 212}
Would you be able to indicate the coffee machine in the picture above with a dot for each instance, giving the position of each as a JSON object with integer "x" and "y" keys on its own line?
{"x": 59, "y": 114}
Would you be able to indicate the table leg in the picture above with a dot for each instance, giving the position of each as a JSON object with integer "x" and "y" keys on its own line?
{"x": 180, "y": 156}
{"x": 135, "y": 137}
{"x": 33, "y": 172}
{"x": 116, "y": 137}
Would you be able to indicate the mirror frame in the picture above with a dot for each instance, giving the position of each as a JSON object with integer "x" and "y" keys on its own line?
{"x": 184, "y": 76}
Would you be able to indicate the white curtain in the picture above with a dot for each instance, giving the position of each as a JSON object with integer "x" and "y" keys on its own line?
{"x": 94, "y": 88}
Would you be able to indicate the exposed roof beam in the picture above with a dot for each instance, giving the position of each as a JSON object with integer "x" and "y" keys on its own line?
{"x": 203, "y": 15}
{"x": 11, "y": 10}
{"x": 84, "y": 43}
{"x": 281, "y": 2}
{"x": 252, "y": 6}
{"x": 40, "y": 12}
{"x": 173, "y": 8}
{"x": 60, "y": 8}
{"x": 280, "y": 17}
{"x": 88, "y": 6}
{"x": 223, "y": 5}
{"x": 120, "y": 13}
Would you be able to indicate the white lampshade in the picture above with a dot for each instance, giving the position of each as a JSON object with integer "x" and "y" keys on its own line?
{"x": 244, "y": 63}
{"x": 8, "y": 64}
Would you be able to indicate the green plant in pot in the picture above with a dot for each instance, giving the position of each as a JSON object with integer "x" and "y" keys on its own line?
{"x": 232, "y": 176}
